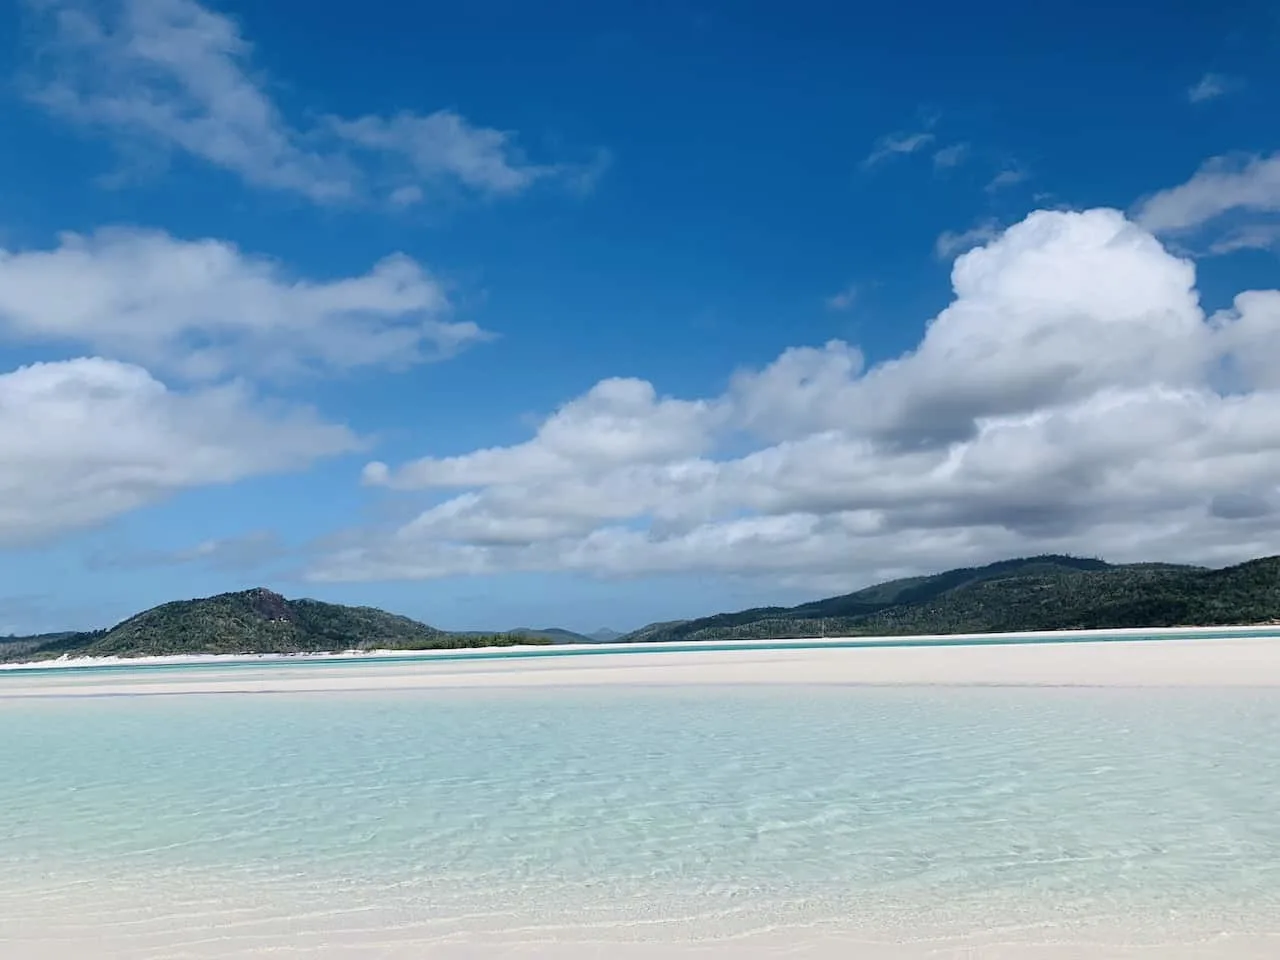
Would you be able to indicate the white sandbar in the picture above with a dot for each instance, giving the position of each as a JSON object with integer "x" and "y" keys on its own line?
{"x": 1230, "y": 662}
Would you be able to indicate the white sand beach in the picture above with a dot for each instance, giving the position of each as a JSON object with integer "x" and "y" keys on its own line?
{"x": 1171, "y": 661}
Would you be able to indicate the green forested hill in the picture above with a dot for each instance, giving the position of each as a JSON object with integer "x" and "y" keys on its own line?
{"x": 252, "y": 621}
{"x": 1037, "y": 593}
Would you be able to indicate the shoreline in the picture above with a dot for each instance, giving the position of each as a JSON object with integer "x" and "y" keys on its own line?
{"x": 514, "y": 651}
{"x": 1140, "y": 661}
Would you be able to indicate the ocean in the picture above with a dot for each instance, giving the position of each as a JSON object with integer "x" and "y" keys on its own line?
{"x": 436, "y": 822}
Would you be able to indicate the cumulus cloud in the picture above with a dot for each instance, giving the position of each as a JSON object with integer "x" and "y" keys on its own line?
{"x": 86, "y": 440}
{"x": 1248, "y": 184}
{"x": 617, "y": 423}
{"x": 203, "y": 309}
{"x": 1072, "y": 397}
{"x": 178, "y": 76}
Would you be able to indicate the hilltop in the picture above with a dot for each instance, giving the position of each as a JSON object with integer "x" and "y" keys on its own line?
{"x": 1033, "y": 593}
{"x": 251, "y": 621}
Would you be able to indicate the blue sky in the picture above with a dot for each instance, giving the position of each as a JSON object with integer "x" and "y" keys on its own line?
{"x": 580, "y": 314}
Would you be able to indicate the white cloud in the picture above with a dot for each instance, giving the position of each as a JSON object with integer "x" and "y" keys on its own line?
{"x": 204, "y": 309}
{"x": 1254, "y": 236}
{"x": 178, "y": 76}
{"x": 1250, "y": 331}
{"x": 87, "y": 440}
{"x": 844, "y": 299}
{"x": 799, "y": 392}
{"x": 1224, "y": 184}
{"x": 1210, "y": 87}
{"x": 617, "y": 423}
{"x": 406, "y": 196}
{"x": 897, "y": 145}
{"x": 950, "y": 156}
{"x": 1007, "y": 178}
{"x": 951, "y": 242}
{"x": 1072, "y": 397}
{"x": 443, "y": 144}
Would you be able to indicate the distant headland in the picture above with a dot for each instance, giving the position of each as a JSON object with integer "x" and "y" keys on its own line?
{"x": 1026, "y": 594}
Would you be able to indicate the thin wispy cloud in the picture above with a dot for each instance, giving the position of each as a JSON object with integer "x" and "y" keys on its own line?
{"x": 1210, "y": 87}
{"x": 950, "y": 156}
{"x": 1258, "y": 236}
{"x": 844, "y": 299}
{"x": 1008, "y": 177}
{"x": 176, "y": 77}
{"x": 897, "y": 145}
{"x": 951, "y": 243}
{"x": 1248, "y": 184}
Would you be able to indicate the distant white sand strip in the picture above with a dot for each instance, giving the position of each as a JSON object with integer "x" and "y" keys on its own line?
{"x": 1173, "y": 662}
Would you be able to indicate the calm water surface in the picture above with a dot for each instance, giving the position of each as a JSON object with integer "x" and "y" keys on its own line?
{"x": 697, "y": 811}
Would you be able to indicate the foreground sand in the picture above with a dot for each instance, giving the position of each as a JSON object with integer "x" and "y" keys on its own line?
{"x": 1176, "y": 662}
{"x": 782, "y": 944}
{"x": 225, "y": 928}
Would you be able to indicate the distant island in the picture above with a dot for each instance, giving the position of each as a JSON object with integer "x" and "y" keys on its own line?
{"x": 1034, "y": 593}
{"x": 253, "y": 622}
{"x": 1013, "y": 596}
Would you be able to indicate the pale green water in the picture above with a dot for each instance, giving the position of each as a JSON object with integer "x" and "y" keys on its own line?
{"x": 939, "y": 810}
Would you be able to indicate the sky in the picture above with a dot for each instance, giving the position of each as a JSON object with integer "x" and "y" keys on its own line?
{"x": 573, "y": 314}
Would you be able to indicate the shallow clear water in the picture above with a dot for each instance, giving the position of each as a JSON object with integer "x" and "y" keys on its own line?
{"x": 698, "y": 811}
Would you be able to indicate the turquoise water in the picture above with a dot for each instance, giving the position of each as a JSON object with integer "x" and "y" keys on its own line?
{"x": 699, "y": 811}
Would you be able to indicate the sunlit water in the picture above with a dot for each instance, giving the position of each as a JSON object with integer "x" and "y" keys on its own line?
{"x": 170, "y": 823}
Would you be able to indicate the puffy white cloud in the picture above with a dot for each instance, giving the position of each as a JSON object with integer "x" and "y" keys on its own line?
{"x": 86, "y": 440}
{"x": 1250, "y": 332}
{"x": 177, "y": 75}
{"x": 1224, "y": 184}
{"x": 1072, "y": 397}
{"x": 618, "y": 422}
{"x": 1059, "y": 306}
{"x": 805, "y": 390}
{"x": 203, "y": 308}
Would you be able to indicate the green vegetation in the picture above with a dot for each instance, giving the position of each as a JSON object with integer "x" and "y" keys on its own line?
{"x": 252, "y": 621}
{"x": 549, "y": 634}
{"x": 1037, "y": 593}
